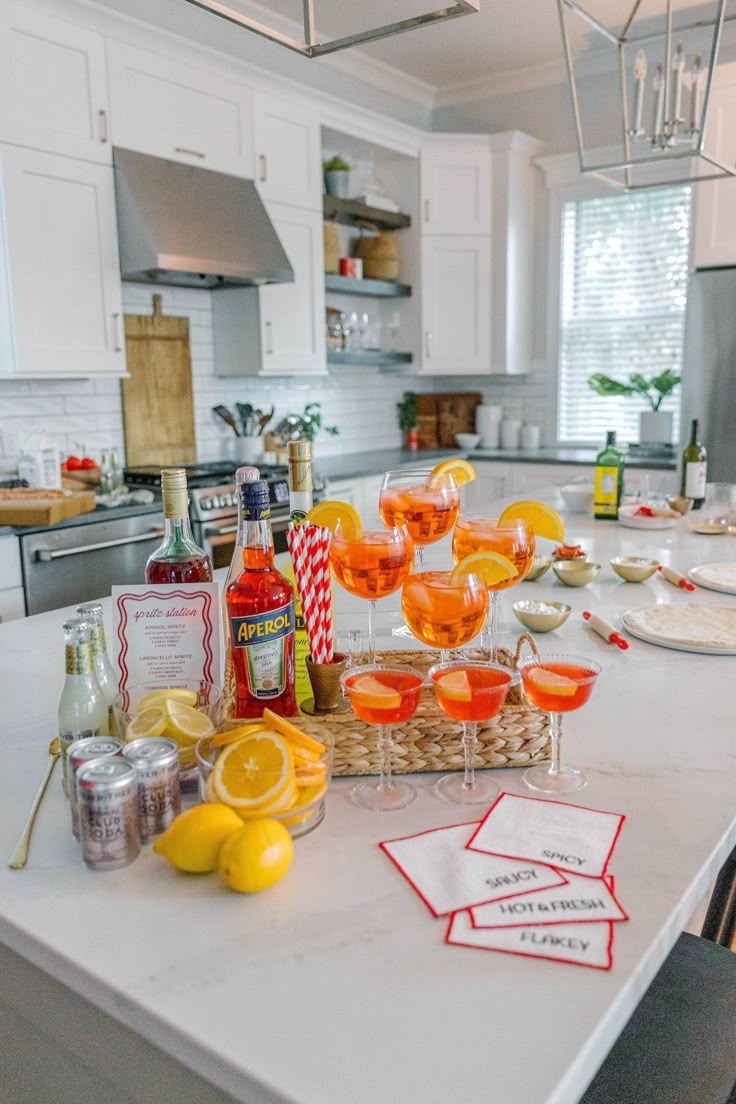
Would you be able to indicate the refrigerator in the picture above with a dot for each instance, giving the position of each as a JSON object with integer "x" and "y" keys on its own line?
{"x": 709, "y": 372}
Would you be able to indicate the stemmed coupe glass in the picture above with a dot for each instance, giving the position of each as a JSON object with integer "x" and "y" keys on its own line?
{"x": 444, "y": 611}
{"x": 428, "y": 508}
{"x": 558, "y": 684}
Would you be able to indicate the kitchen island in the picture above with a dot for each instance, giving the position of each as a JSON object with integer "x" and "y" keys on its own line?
{"x": 335, "y": 984}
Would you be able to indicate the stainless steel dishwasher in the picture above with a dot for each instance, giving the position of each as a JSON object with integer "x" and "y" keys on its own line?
{"x": 75, "y": 563}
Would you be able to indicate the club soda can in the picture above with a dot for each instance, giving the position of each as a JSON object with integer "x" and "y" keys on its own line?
{"x": 107, "y": 796}
{"x": 156, "y": 760}
{"x": 84, "y": 751}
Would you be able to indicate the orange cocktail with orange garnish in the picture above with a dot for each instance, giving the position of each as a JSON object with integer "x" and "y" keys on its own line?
{"x": 428, "y": 511}
{"x": 558, "y": 684}
{"x": 512, "y": 539}
{"x": 470, "y": 693}
{"x": 444, "y": 611}
{"x": 383, "y": 696}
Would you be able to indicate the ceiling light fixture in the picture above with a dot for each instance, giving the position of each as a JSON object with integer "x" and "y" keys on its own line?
{"x": 659, "y": 71}
{"x": 310, "y": 48}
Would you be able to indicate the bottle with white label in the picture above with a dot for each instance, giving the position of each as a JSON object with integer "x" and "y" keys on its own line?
{"x": 82, "y": 708}
{"x": 694, "y": 469}
{"x": 108, "y": 683}
{"x": 608, "y": 479}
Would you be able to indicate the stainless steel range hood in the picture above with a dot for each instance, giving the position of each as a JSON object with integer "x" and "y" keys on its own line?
{"x": 183, "y": 225}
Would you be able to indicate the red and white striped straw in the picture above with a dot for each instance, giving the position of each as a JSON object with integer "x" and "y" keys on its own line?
{"x": 309, "y": 548}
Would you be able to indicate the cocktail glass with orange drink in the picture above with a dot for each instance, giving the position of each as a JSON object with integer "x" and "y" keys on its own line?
{"x": 425, "y": 503}
{"x": 558, "y": 684}
{"x": 383, "y": 696}
{"x": 443, "y": 609}
{"x": 470, "y": 693}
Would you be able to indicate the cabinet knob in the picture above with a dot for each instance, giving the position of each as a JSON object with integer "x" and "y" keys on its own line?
{"x": 262, "y": 168}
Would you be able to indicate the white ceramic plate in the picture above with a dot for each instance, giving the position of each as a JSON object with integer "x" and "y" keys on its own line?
{"x": 707, "y": 576}
{"x": 665, "y": 641}
{"x": 627, "y": 518}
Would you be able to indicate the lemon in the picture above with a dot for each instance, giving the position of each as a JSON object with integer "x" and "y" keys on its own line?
{"x": 332, "y": 511}
{"x": 491, "y": 567}
{"x": 542, "y": 520}
{"x": 256, "y": 856}
{"x": 193, "y": 841}
{"x": 461, "y": 471}
{"x": 158, "y": 697}
{"x": 186, "y": 725}
{"x": 149, "y": 722}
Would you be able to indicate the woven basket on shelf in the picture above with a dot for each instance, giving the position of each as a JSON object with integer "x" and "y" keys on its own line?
{"x": 430, "y": 741}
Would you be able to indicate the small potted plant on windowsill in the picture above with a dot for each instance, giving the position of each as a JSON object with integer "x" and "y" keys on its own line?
{"x": 407, "y": 410}
{"x": 655, "y": 425}
{"x": 337, "y": 177}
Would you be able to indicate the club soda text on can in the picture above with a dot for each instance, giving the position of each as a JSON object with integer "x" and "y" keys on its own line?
{"x": 85, "y": 751}
{"x": 107, "y": 793}
{"x": 156, "y": 760}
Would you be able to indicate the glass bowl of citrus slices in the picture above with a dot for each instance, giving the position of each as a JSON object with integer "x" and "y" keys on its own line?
{"x": 267, "y": 768}
{"x": 186, "y": 713}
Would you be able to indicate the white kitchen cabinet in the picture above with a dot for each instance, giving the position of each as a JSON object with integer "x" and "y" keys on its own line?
{"x": 455, "y": 291}
{"x": 12, "y": 602}
{"x": 492, "y": 481}
{"x": 293, "y": 315}
{"x": 530, "y": 477}
{"x": 53, "y": 86}
{"x": 456, "y": 185}
{"x": 60, "y": 295}
{"x": 714, "y": 201}
{"x": 345, "y": 490}
{"x": 170, "y": 109}
{"x": 287, "y": 152}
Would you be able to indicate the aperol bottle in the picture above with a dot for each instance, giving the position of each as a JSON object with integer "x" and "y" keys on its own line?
{"x": 260, "y": 612}
{"x": 177, "y": 559}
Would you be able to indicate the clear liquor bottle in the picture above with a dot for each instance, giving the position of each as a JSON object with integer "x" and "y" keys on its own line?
{"x": 82, "y": 707}
{"x": 104, "y": 670}
{"x": 177, "y": 559}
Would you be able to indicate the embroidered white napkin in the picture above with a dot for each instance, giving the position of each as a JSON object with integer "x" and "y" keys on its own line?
{"x": 449, "y": 877}
{"x": 580, "y": 944}
{"x": 582, "y": 899}
{"x": 569, "y": 837}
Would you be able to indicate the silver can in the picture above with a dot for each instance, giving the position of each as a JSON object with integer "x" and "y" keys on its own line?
{"x": 84, "y": 751}
{"x": 107, "y": 795}
{"x": 156, "y": 760}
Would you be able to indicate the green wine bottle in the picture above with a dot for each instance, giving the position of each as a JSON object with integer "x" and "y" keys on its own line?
{"x": 608, "y": 479}
{"x": 694, "y": 469}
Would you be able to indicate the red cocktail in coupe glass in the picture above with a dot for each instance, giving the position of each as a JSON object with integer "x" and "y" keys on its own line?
{"x": 558, "y": 684}
{"x": 470, "y": 693}
{"x": 383, "y": 696}
{"x": 429, "y": 512}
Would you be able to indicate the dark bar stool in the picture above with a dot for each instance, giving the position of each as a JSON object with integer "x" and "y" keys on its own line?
{"x": 679, "y": 1047}
{"x": 720, "y": 920}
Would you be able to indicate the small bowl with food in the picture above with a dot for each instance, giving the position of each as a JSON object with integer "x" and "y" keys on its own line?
{"x": 186, "y": 713}
{"x": 541, "y": 617}
{"x": 634, "y": 569}
{"x": 578, "y": 497}
{"x": 576, "y": 573}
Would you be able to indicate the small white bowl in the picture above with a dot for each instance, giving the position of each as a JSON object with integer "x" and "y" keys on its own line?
{"x": 578, "y": 497}
{"x": 467, "y": 440}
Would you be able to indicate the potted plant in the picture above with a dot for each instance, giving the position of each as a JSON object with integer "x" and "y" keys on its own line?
{"x": 407, "y": 409}
{"x": 337, "y": 177}
{"x": 312, "y": 422}
{"x": 655, "y": 425}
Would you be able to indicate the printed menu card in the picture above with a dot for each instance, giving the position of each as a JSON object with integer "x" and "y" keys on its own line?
{"x": 166, "y": 634}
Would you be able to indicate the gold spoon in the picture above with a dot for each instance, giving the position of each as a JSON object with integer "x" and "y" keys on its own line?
{"x": 20, "y": 855}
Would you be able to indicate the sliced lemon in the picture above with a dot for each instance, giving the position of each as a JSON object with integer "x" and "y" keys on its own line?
{"x": 460, "y": 470}
{"x": 186, "y": 725}
{"x": 455, "y": 685}
{"x": 254, "y": 772}
{"x": 371, "y": 693}
{"x": 330, "y": 512}
{"x": 491, "y": 567}
{"x": 293, "y": 734}
{"x": 549, "y": 682}
{"x": 147, "y": 723}
{"x": 158, "y": 697}
{"x": 230, "y": 735}
{"x": 542, "y": 520}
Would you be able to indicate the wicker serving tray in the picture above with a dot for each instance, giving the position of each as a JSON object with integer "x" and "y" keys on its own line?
{"x": 430, "y": 741}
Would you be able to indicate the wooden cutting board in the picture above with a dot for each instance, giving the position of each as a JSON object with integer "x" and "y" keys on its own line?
{"x": 39, "y": 510}
{"x": 158, "y": 412}
{"x": 441, "y": 416}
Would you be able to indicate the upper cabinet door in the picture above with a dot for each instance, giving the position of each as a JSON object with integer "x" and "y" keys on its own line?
{"x": 60, "y": 270}
{"x": 169, "y": 109}
{"x": 456, "y": 188}
{"x": 287, "y": 148}
{"x": 714, "y": 201}
{"x": 53, "y": 88}
{"x": 293, "y": 315}
{"x": 456, "y": 299}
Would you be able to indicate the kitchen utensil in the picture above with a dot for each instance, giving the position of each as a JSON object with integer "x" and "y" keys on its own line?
{"x": 609, "y": 634}
{"x": 20, "y": 855}
{"x": 223, "y": 412}
{"x": 576, "y": 572}
{"x": 28, "y": 506}
{"x": 674, "y": 577}
{"x": 265, "y": 419}
{"x": 158, "y": 411}
{"x": 634, "y": 569}
{"x": 245, "y": 410}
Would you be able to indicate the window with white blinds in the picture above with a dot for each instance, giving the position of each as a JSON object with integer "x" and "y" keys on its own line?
{"x": 622, "y": 306}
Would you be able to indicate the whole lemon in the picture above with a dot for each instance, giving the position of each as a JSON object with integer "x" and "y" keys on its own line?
{"x": 192, "y": 842}
{"x": 256, "y": 856}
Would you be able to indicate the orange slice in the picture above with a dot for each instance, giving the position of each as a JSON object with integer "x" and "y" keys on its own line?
{"x": 461, "y": 471}
{"x": 293, "y": 734}
{"x": 254, "y": 772}
{"x": 455, "y": 685}
{"x": 542, "y": 520}
{"x": 311, "y": 775}
{"x": 491, "y": 567}
{"x": 230, "y": 735}
{"x": 549, "y": 682}
{"x": 371, "y": 693}
{"x": 302, "y": 757}
{"x": 331, "y": 511}
{"x": 307, "y": 798}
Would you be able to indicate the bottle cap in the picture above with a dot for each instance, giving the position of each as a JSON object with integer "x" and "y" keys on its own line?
{"x": 256, "y": 500}
{"x": 299, "y": 450}
{"x": 77, "y": 630}
{"x": 246, "y": 475}
{"x": 174, "y": 492}
{"x": 611, "y": 437}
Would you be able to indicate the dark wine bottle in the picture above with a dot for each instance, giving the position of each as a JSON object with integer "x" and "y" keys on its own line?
{"x": 694, "y": 469}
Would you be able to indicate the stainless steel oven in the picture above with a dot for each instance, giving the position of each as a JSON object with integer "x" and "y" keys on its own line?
{"x": 214, "y": 513}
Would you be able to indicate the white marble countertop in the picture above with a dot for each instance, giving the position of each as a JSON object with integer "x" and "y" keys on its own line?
{"x": 335, "y": 984}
